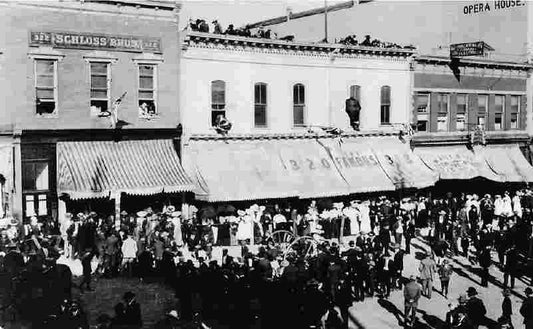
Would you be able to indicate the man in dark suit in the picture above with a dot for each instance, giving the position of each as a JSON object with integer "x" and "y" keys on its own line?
{"x": 86, "y": 264}
{"x": 526, "y": 310}
{"x": 510, "y": 265}
{"x": 475, "y": 308}
{"x": 132, "y": 311}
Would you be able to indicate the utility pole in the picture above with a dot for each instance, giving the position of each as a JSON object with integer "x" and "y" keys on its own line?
{"x": 326, "y": 21}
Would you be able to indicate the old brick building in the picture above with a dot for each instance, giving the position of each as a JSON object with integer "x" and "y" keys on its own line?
{"x": 91, "y": 99}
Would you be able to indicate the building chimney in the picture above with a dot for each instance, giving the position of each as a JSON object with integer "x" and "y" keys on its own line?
{"x": 289, "y": 13}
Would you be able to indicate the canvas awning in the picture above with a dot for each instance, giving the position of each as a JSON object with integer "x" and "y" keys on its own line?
{"x": 508, "y": 162}
{"x": 456, "y": 162}
{"x": 93, "y": 169}
{"x": 358, "y": 164}
{"x": 231, "y": 170}
{"x": 403, "y": 167}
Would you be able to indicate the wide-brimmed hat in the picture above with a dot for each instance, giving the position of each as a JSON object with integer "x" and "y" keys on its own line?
{"x": 254, "y": 207}
{"x": 241, "y": 212}
{"x": 471, "y": 291}
{"x": 173, "y": 314}
{"x": 284, "y": 263}
{"x": 142, "y": 214}
{"x": 170, "y": 209}
{"x": 123, "y": 213}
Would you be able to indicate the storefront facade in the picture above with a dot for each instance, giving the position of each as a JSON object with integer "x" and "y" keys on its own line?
{"x": 290, "y": 135}
{"x": 89, "y": 84}
{"x": 472, "y": 118}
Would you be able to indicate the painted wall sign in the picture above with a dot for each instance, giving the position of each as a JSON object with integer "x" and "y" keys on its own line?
{"x": 70, "y": 40}
{"x": 480, "y": 7}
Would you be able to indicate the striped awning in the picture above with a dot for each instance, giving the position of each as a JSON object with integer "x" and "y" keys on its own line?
{"x": 95, "y": 169}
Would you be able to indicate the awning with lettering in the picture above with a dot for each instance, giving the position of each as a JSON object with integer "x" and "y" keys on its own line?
{"x": 95, "y": 169}
{"x": 356, "y": 161}
{"x": 232, "y": 170}
{"x": 507, "y": 161}
{"x": 456, "y": 162}
{"x": 403, "y": 167}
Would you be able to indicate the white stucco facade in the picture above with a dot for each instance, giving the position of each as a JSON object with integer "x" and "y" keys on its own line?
{"x": 326, "y": 74}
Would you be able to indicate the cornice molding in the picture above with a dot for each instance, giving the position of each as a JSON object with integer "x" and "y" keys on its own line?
{"x": 272, "y": 46}
{"x": 287, "y": 136}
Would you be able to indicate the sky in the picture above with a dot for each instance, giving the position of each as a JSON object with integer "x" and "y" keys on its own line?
{"x": 241, "y": 12}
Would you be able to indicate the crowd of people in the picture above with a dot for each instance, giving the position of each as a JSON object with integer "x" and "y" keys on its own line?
{"x": 360, "y": 248}
{"x": 200, "y": 25}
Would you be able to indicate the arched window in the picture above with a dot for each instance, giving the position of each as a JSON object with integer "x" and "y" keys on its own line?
{"x": 218, "y": 100}
{"x": 385, "y": 105}
{"x": 298, "y": 104}
{"x": 260, "y": 105}
{"x": 355, "y": 92}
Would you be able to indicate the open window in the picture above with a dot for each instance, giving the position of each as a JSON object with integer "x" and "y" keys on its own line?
{"x": 218, "y": 100}
{"x": 46, "y": 87}
{"x": 147, "y": 92}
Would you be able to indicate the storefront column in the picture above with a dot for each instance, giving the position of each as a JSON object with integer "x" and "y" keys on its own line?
{"x": 116, "y": 197}
{"x": 61, "y": 210}
{"x": 16, "y": 188}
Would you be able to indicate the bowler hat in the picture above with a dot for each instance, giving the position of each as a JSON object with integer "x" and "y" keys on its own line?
{"x": 471, "y": 291}
{"x": 528, "y": 291}
{"x": 128, "y": 295}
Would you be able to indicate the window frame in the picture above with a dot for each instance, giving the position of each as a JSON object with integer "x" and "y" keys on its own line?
{"x": 461, "y": 113}
{"x": 154, "y": 90}
{"x": 357, "y": 94}
{"x": 215, "y": 111}
{"x": 513, "y": 113}
{"x": 446, "y": 111}
{"x": 422, "y": 116}
{"x": 485, "y": 113}
{"x": 55, "y": 61}
{"x": 265, "y": 105}
{"x": 386, "y": 106}
{"x": 498, "y": 113}
{"x": 109, "y": 84}
{"x": 298, "y": 106}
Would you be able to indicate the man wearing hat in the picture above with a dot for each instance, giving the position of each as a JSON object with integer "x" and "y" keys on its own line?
{"x": 526, "y": 310}
{"x": 458, "y": 316}
{"x": 427, "y": 269}
{"x": 507, "y": 308}
{"x": 132, "y": 311}
{"x": 475, "y": 308}
{"x": 411, "y": 292}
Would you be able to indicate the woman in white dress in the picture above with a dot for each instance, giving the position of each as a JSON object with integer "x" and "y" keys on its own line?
{"x": 364, "y": 211}
{"x": 244, "y": 230}
{"x": 176, "y": 222}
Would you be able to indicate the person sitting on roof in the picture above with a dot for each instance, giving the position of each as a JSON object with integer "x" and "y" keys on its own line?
{"x": 203, "y": 27}
{"x": 217, "y": 29}
{"x": 230, "y": 30}
{"x": 367, "y": 42}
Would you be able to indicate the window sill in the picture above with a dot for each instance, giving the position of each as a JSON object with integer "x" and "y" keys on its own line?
{"x": 47, "y": 116}
{"x": 148, "y": 117}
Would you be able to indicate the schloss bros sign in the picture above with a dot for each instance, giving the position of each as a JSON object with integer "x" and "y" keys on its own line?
{"x": 95, "y": 41}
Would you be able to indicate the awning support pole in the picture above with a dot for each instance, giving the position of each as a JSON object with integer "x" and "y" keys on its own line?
{"x": 117, "y": 196}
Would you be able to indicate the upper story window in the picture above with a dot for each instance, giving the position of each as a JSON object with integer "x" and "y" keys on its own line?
{"x": 515, "y": 111}
{"x": 482, "y": 105}
{"x": 100, "y": 87}
{"x": 298, "y": 104}
{"x": 443, "y": 101}
{"x": 355, "y": 92}
{"x": 218, "y": 100}
{"x": 462, "y": 112}
{"x": 46, "y": 86}
{"x": 422, "y": 111}
{"x": 385, "y": 105}
{"x": 147, "y": 93}
{"x": 499, "y": 112}
{"x": 260, "y": 105}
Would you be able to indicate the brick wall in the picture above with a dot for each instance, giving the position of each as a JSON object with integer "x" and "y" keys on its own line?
{"x": 17, "y": 68}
